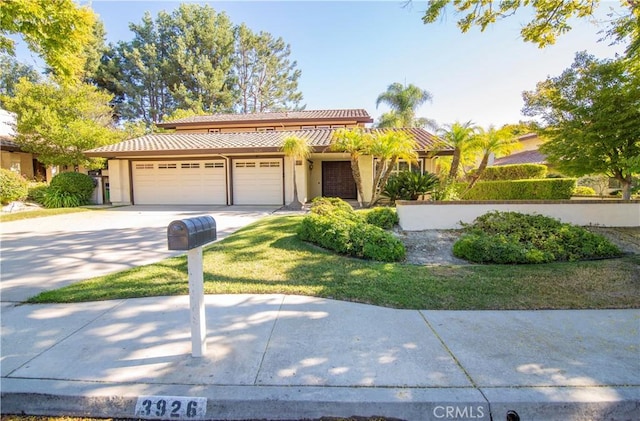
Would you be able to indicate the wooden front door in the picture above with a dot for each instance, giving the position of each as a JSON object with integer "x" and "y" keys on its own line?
{"x": 337, "y": 180}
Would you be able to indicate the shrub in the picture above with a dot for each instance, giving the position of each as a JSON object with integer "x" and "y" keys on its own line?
{"x": 511, "y": 237}
{"x": 514, "y": 172}
{"x": 545, "y": 189}
{"x": 69, "y": 189}
{"x": 409, "y": 185}
{"x": 584, "y": 191}
{"x": 382, "y": 217}
{"x": 37, "y": 191}
{"x": 334, "y": 226}
{"x": 13, "y": 186}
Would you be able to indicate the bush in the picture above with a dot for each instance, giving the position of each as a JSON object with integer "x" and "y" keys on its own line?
{"x": 333, "y": 226}
{"x": 409, "y": 185}
{"x": 514, "y": 172}
{"x": 384, "y": 218}
{"x": 37, "y": 192}
{"x": 584, "y": 191}
{"x": 13, "y": 186}
{"x": 69, "y": 189}
{"x": 546, "y": 189}
{"x": 511, "y": 237}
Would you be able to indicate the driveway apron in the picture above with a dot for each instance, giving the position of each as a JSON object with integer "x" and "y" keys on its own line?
{"x": 47, "y": 253}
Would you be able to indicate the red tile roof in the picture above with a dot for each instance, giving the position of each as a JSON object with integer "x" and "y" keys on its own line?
{"x": 360, "y": 115}
{"x": 240, "y": 142}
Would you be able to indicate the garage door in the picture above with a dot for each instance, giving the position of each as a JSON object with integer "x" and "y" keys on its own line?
{"x": 179, "y": 182}
{"x": 257, "y": 182}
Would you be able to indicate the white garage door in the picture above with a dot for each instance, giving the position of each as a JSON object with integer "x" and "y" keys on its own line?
{"x": 257, "y": 182}
{"x": 179, "y": 182}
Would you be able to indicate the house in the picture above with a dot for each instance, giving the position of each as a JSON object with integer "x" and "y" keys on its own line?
{"x": 236, "y": 159}
{"x": 528, "y": 154}
{"x": 12, "y": 157}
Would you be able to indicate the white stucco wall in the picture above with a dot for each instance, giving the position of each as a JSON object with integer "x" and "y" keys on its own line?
{"x": 419, "y": 216}
{"x": 119, "y": 185}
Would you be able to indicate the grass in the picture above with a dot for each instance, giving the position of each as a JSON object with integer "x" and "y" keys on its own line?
{"x": 267, "y": 257}
{"x": 17, "y": 216}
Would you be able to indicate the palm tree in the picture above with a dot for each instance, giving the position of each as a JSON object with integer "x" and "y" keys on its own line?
{"x": 460, "y": 136}
{"x": 356, "y": 143}
{"x": 298, "y": 149}
{"x": 403, "y": 101}
{"x": 492, "y": 141}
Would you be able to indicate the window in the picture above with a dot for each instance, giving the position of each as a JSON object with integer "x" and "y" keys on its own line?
{"x": 190, "y": 165}
{"x": 245, "y": 164}
{"x": 402, "y": 165}
{"x": 270, "y": 164}
{"x": 144, "y": 166}
{"x": 167, "y": 166}
{"x": 214, "y": 165}
{"x": 323, "y": 127}
{"x": 15, "y": 163}
{"x": 265, "y": 129}
{"x": 214, "y": 130}
{"x": 307, "y": 127}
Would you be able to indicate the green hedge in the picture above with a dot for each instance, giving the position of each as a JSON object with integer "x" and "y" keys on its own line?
{"x": 514, "y": 172}
{"x": 512, "y": 237}
{"x": 13, "y": 186}
{"x": 546, "y": 189}
{"x": 334, "y": 226}
{"x": 68, "y": 190}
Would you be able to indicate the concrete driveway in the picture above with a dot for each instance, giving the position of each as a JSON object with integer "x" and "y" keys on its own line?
{"x": 47, "y": 253}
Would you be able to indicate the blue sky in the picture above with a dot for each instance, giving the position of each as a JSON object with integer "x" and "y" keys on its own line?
{"x": 349, "y": 52}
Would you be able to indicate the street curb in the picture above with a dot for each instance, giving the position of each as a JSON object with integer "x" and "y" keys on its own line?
{"x": 110, "y": 400}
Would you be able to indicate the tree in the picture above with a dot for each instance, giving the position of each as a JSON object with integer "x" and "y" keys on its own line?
{"x": 384, "y": 146}
{"x": 59, "y": 123}
{"x": 497, "y": 142}
{"x": 461, "y": 137}
{"x": 551, "y": 17}
{"x": 297, "y": 148}
{"x": 56, "y": 30}
{"x": 195, "y": 59}
{"x": 266, "y": 79}
{"x": 403, "y": 101}
{"x": 11, "y": 71}
{"x": 591, "y": 114}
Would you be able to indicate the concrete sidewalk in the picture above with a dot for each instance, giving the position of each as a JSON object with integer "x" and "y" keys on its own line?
{"x": 280, "y": 357}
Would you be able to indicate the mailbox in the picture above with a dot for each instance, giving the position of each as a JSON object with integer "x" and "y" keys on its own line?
{"x": 187, "y": 234}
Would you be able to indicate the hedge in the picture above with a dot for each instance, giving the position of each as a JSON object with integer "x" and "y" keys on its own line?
{"x": 68, "y": 190}
{"x": 516, "y": 238}
{"x": 13, "y": 186}
{"x": 545, "y": 189}
{"x": 334, "y": 226}
{"x": 514, "y": 172}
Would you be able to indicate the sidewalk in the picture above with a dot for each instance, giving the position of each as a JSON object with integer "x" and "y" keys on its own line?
{"x": 277, "y": 357}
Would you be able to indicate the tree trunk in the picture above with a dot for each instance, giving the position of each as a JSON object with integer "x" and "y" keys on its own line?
{"x": 455, "y": 163}
{"x": 295, "y": 204}
{"x": 377, "y": 189}
{"x": 476, "y": 177}
{"x": 355, "y": 170}
{"x": 626, "y": 187}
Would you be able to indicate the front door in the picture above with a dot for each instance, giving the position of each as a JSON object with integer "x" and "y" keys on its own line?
{"x": 337, "y": 180}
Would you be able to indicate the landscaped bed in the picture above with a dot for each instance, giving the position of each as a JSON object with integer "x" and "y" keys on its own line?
{"x": 268, "y": 257}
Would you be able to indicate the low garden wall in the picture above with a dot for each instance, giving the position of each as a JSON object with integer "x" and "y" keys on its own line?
{"x": 422, "y": 215}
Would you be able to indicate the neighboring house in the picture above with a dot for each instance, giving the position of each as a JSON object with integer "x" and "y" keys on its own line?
{"x": 11, "y": 156}
{"x": 529, "y": 153}
{"x": 237, "y": 159}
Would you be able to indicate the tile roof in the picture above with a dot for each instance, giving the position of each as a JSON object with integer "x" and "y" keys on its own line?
{"x": 7, "y": 143}
{"x": 346, "y": 114}
{"x": 203, "y": 143}
{"x": 526, "y": 157}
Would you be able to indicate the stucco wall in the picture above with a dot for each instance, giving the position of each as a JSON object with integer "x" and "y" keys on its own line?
{"x": 419, "y": 216}
{"x": 119, "y": 186}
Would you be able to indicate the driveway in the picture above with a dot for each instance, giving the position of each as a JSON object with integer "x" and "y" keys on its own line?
{"x": 47, "y": 253}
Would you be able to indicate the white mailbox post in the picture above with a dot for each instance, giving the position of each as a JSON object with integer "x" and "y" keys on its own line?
{"x": 191, "y": 234}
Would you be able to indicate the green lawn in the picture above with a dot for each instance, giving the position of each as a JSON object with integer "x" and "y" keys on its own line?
{"x": 266, "y": 257}
{"x": 7, "y": 217}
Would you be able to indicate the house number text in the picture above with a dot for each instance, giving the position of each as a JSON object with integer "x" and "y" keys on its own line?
{"x": 171, "y": 408}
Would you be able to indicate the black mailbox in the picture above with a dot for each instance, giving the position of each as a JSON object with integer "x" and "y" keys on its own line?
{"x": 187, "y": 234}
